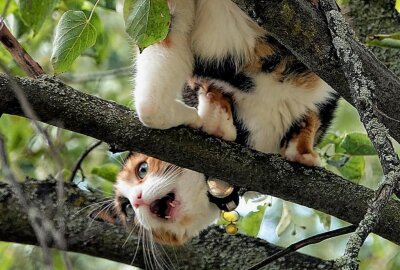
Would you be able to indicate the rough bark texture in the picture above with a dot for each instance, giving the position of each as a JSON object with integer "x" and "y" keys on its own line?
{"x": 302, "y": 28}
{"x": 317, "y": 188}
{"x": 212, "y": 250}
{"x": 361, "y": 88}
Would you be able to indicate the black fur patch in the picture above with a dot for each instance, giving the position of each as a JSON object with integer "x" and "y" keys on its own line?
{"x": 292, "y": 131}
{"x": 295, "y": 68}
{"x": 326, "y": 114}
{"x": 269, "y": 63}
{"x": 224, "y": 70}
{"x": 241, "y": 131}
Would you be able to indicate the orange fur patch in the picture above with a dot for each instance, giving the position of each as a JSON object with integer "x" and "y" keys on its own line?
{"x": 308, "y": 81}
{"x": 215, "y": 95}
{"x": 129, "y": 171}
{"x": 261, "y": 50}
{"x": 305, "y": 139}
{"x": 166, "y": 237}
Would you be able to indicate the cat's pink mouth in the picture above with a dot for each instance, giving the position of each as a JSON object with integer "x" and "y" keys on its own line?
{"x": 165, "y": 207}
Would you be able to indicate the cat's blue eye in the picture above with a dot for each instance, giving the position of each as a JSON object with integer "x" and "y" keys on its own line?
{"x": 142, "y": 170}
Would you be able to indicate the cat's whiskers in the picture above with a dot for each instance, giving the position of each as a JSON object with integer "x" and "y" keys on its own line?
{"x": 167, "y": 179}
{"x": 120, "y": 158}
{"x": 105, "y": 208}
{"x": 139, "y": 237}
{"x": 108, "y": 199}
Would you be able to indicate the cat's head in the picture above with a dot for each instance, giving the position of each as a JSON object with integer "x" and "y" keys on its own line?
{"x": 169, "y": 201}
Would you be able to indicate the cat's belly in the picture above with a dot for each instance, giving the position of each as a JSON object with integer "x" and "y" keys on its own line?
{"x": 273, "y": 107}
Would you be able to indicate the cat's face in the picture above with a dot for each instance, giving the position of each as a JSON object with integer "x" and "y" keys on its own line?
{"x": 169, "y": 201}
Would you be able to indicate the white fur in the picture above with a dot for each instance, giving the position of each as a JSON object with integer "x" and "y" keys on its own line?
{"x": 162, "y": 73}
{"x": 270, "y": 110}
{"x": 190, "y": 190}
{"x": 221, "y": 29}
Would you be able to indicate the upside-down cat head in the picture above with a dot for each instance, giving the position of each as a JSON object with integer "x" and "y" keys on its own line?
{"x": 169, "y": 201}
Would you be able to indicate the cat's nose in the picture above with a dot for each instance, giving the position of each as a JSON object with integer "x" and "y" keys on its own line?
{"x": 138, "y": 201}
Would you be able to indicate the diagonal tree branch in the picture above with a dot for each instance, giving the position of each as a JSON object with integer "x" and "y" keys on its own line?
{"x": 361, "y": 88}
{"x": 61, "y": 105}
{"x": 213, "y": 249}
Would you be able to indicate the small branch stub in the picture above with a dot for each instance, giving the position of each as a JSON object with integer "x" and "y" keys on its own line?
{"x": 24, "y": 60}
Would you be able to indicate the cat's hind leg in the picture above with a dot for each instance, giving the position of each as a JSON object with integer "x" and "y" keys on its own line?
{"x": 215, "y": 111}
{"x": 298, "y": 144}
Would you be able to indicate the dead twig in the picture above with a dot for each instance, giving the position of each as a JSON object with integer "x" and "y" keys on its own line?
{"x": 24, "y": 60}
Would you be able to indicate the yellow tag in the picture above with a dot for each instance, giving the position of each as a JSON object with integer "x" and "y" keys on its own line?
{"x": 231, "y": 229}
{"x": 232, "y": 216}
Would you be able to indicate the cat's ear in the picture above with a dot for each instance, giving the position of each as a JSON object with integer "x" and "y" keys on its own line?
{"x": 106, "y": 212}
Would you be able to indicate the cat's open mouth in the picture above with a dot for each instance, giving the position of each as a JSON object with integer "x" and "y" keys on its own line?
{"x": 164, "y": 207}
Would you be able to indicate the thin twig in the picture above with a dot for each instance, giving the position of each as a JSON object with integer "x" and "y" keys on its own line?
{"x": 308, "y": 241}
{"x": 24, "y": 60}
{"x": 82, "y": 158}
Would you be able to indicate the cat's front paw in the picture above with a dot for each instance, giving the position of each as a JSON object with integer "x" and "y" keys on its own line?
{"x": 215, "y": 111}
{"x": 307, "y": 158}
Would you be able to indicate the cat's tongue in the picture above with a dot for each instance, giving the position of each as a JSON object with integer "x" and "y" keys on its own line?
{"x": 164, "y": 207}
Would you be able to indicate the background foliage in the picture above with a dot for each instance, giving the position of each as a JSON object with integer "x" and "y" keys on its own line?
{"x": 88, "y": 45}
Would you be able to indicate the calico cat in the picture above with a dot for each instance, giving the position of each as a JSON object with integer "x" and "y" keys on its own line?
{"x": 219, "y": 71}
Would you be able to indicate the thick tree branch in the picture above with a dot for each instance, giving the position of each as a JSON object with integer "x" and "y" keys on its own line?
{"x": 212, "y": 250}
{"x": 302, "y": 27}
{"x": 61, "y": 105}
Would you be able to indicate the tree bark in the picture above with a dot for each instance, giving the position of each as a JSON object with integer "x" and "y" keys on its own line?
{"x": 58, "y": 104}
{"x": 213, "y": 249}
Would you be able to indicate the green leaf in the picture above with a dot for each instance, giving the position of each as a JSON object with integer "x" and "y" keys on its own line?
{"x": 107, "y": 171}
{"x": 397, "y": 6}
{"x": 358, "y": 144}
{"x": 35, "y": 12}
{"x": 354, "y": 168}
{"x": 75, "y": 33}
{"x": 147, "y": 21}
{"x": 250, "y": 224}
{"x": 384, "y": 40}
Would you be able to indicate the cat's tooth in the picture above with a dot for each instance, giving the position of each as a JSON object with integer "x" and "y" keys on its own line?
{"x": 167, "y": 217}
{"x": 172, "y": 204}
